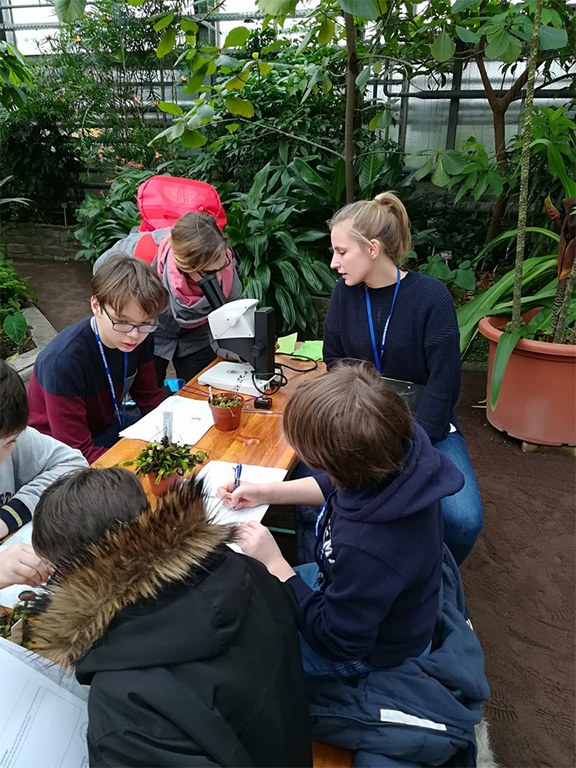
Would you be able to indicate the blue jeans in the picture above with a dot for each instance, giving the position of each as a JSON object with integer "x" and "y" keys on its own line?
{"x": 313, "y": 663}
{"x": 462, "y": 513}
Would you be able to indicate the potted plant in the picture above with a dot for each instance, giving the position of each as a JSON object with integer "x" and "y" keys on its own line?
{"x": 14, "y": 622}
{"x": 226, "y": 410}
{"x": 532, "y": 355}
{"x": 165, "y": 463}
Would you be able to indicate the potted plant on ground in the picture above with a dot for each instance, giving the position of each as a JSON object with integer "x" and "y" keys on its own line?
{"x": 165, "y": 463}
{"x": 226, "y": 410}
{"x": 532, "y": 355}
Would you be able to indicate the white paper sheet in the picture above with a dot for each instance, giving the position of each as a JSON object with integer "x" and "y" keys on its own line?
{"x": 41, "y": 723}
{"x": 191, "y": 419}
{"x": 218, "y": 473}
{"x": 9, "y": 595}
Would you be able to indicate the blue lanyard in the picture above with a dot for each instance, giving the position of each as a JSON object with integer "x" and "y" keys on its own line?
{"x": 378, "y": 357}
{"x": 121, "y": 419}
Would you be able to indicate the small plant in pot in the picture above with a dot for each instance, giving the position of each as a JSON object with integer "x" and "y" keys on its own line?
{"x": 165, "y": 463}
{"x": 226, "y": 410}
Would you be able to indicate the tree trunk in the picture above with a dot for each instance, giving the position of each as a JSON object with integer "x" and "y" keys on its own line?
{"x": 351, "y": 74}
{"x": 525, "y": 171}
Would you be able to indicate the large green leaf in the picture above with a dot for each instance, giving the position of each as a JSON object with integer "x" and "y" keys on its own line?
{"x": 363, "y": 9}
{"x": 326, "y": 31}
{"x": 170, "y": 108}
{"x": 165, "y": 20}
{"x": 241, "y": 107}
{"x": 254, "y": 196}
{"x": 237, "y": 37}
{"x": 371, "y": 168}
{"x": 463, "y": 5}
{"x": 278, "y": 7}
{"x": 15, "y": 327}
{"x": 443, "y": 48}
{"x": 504, "y": 349}
{"x": 166, "y": 45}
{"x": 289, "y": 275}
{"x": 285, "y": 304}
{"x": 310, "y": 276}
{"x": 69, "y": 10}
{"x": 552, "y": 39}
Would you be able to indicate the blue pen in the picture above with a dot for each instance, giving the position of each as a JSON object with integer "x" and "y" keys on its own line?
{"x": 237, "y": 473}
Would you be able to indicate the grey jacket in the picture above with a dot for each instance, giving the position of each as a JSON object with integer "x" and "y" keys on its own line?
{"x": 172, "y": 339}
{"x": 36, "y": 461}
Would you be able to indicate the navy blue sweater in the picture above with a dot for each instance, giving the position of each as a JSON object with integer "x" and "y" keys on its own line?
{"x": 69, "y": 395}
{"x": 381, "y": 559}
{"x": 422, "y": 344}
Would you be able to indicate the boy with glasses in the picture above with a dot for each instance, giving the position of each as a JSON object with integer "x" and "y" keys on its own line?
{"x": 193, "y": 249}
{"x": 78, "y": 389}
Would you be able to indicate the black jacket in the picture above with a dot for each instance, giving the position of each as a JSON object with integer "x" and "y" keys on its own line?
{"x": 190, "y": 649}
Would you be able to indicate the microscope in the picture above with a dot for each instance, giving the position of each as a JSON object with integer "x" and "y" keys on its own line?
{"x": 243, "y": 331}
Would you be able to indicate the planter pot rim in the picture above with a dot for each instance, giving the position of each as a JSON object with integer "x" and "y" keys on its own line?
{"x": 491, "y": 328}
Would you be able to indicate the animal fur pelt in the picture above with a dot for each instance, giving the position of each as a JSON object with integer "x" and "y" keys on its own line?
{"x": 485, "y": 756}
{"x": 133, "y": 561}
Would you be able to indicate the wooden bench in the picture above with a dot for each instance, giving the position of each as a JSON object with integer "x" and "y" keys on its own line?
{"x": 328, "y": 756}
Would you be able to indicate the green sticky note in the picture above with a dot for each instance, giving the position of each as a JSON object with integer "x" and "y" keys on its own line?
{"x": 286, "y": 344}
{"x": 311, "y": 349}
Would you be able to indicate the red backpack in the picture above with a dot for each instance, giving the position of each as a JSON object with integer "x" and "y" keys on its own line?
{"x": 162, "y": 200}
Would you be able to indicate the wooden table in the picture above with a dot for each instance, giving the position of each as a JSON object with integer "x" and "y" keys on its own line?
{"x": 259, "y": 440}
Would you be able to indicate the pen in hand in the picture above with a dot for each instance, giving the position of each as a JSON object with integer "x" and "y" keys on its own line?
{"x": 237, "y": 474}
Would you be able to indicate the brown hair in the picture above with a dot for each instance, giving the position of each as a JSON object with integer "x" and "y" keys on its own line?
{"x": 197, "y": 242}
{"x": 14, "y": 410}
{"x": 122, "y": 278}
{"x": 80, "y": 507}
{"x": 350, "y": 423}
{"x": 384, "y": 219}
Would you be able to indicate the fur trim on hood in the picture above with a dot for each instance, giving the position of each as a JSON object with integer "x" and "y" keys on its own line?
{"x": 133, "y": 561}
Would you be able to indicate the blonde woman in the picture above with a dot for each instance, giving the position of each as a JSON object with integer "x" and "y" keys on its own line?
{"x": 404, "y": 323}
{"x": 192, "y": 249}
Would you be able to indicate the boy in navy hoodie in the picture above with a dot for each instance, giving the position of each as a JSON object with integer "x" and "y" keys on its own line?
{"x": 371, "y": 599}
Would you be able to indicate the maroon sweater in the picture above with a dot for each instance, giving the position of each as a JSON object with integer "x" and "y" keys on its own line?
{"x": 69, "y": 395}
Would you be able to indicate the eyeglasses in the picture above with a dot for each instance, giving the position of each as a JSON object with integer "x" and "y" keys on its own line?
{"x": 206, "y": 272}
{"x": 121, "y": 327}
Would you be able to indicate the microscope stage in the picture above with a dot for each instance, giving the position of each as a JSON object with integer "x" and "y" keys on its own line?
{"x": 234, "y": 377}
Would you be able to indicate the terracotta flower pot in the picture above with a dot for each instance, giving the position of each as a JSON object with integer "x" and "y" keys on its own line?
{"x": 227, "y": 419}
{"x": 165, "y": 485}
{"x": 537, "y": 402}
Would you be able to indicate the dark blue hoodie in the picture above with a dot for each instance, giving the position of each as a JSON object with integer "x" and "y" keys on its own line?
{"x": 381, "y": 562}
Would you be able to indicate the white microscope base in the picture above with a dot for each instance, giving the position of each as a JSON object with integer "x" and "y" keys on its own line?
{"x": 235, "y": 377}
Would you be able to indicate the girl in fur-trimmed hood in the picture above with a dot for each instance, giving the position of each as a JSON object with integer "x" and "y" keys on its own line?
{"x": 191, "y": 650}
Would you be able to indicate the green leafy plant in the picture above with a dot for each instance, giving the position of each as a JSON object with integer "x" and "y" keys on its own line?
{"x": 15, "y": 77}
{"x": 165, "y": 458}
{"x": 275, "y": 263}
{"x": 226, "y": 400}
{"x": 14, "y": 294}
{"x": 556, "y": 300}
{"x": 460, "y": 279}
{"x": 110, "y": 216}
{"x": 42, "y": 158}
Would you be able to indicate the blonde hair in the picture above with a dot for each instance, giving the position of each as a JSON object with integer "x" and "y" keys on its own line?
{"x": 197, "y": 242}
{"x": 384, "y": 218}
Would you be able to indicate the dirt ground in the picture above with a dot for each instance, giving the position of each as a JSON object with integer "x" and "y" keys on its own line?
{"x": 520, "y": 578}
